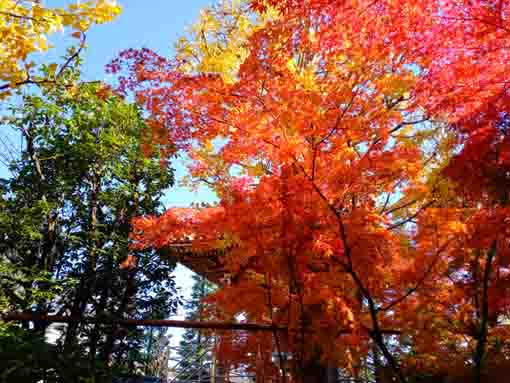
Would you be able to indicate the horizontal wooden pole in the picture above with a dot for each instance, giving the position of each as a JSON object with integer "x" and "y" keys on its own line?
{"x": 212, "y": 325}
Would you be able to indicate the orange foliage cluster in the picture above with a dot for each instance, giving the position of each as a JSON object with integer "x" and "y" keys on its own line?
{"x": 348, "y": 207}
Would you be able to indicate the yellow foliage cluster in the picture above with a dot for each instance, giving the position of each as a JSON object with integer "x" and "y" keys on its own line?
{"x": 217, "y": 41}
{"x": 26, "y": 25}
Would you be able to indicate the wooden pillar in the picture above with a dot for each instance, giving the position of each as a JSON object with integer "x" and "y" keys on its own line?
{"x": 260, "y": 367}
{"x": 217, "y": 370}
{"x": 213, "y": 368}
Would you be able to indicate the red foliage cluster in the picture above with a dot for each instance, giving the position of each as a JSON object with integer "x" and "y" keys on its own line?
{"x": 337, "y": 222}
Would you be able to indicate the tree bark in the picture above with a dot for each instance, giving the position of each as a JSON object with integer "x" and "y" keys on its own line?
{"x": 481, "y": 341}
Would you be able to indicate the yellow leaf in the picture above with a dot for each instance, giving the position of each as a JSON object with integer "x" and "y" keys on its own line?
{"x": 19, "y": 39}
{"x": 52, "y": 68}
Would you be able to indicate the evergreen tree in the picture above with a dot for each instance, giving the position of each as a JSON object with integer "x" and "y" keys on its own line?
{"x": 157, "y": 352}
{"x": 85, "y": 170}
{"x": 194, "y": 350}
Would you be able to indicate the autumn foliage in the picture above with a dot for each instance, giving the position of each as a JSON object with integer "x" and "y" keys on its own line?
{"x": 360, "y": 150}
{"x": 25, "y": 28}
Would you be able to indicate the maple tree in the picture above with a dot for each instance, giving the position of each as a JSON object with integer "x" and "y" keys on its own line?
{"x": 467, "y": 87}
{"x": 25, "y": 27}
{"x": 350, "y": 216}
{"x": 296, "y": 220}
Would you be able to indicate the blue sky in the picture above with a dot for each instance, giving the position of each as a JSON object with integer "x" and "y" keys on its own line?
{"x": 154, "y": 24}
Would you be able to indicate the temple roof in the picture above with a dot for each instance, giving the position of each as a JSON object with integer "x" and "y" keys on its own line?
{"x": 205, "y": 262}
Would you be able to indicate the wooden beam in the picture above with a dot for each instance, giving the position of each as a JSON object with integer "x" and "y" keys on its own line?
{"x": 213, "y": 325}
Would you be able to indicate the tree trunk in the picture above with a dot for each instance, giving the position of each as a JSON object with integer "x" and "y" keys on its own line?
{"x": 314, "y": 372}
{"x": 100, "y": 311}
{"x": 129, "y": 293}
{"x": 481, "y": 341}
{"x": 87, "y": 281}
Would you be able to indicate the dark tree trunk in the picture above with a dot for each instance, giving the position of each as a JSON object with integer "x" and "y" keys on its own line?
{"x": 129, "y": 293}
{"x": 87, "y": 280}
{"x": 315, "y": 372}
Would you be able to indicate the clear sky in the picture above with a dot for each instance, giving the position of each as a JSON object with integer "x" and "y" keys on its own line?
{"x": 155, "y": 24}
